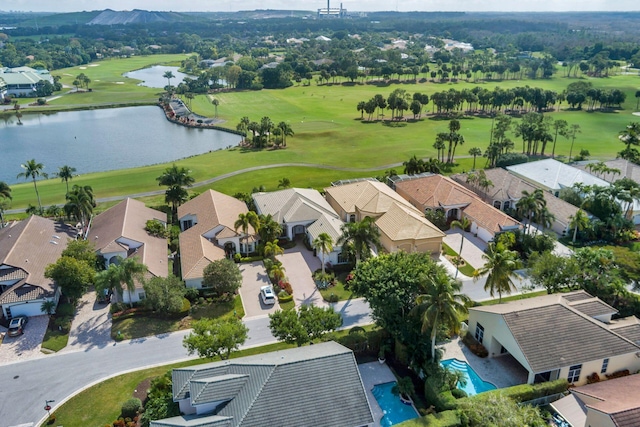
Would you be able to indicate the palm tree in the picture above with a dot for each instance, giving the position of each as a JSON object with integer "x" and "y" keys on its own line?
{"x": 579, "y": 221}
{"x": 286, "y": 130}
{"x": 215, "y": 103}
{"x": 48, "y": 307}
{"x": 268, "y": 229}
{"x": 463, "y": 225}
{"x": 109, "y": 279}
{"x": 284, "y": 183}
{"x": 362, "y": 235}
{"x": 475, "y": 151}
{"x": 441, "y": 304}
{"x": 33, "y": 170}
{"x": 176, "y": 178}
{"x": 630, "y": 135}
{"x": 66, "y": 173}
{"x": 276, "y": 272}
{"x": 530, "y": 205}
{"x": 5, "y": 193}
{"x": 499, "y": 267}
{"x": 130, "y": 271}
{"x": 80, "y": 204}
{"x": 243, "y": 127}
{"x": 271, "y": 249}
{"x": 168, "y": 75}
{"x": 244, "y": 221}
{"x": 175, "y": 196}
{"x": 324, "y": 244}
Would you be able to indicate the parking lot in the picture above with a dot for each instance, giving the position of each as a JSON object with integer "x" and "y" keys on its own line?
{"x": 254, "y": 276}
{"x": 25, "y": 346}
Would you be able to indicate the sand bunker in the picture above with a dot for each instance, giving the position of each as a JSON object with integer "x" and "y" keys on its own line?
{"x": 94, "y": 65}
{"x": 83, "y": 68}
{"x": 118, "y": 83}
{"x": 637, "y": 113}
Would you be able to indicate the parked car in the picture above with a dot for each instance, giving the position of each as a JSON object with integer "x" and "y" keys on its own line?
{"x": 16, "y": 326}
{"x": 267, "y": 295}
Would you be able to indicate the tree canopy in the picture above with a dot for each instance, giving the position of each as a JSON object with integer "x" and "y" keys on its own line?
{"x": 73, "y": 276}
{"x": 216, "y": 337}
{"x": 222, "y": 277}
{"x": 304, "y": 325}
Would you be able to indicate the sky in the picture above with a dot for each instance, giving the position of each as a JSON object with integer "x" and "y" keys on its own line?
{"x": 355, "y": 5}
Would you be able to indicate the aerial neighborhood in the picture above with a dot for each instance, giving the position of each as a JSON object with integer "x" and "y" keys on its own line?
{"x": 336, "y": 219}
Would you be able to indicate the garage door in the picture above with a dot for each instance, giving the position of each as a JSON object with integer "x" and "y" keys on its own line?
{"x": 29, "y": 309}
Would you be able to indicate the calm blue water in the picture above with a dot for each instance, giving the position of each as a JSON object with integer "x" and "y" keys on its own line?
{"x": 474, "y": 384}
{"x": 394, "y": 410}
{"x": 152, "y": 76}
{"x": 101, "y": 140}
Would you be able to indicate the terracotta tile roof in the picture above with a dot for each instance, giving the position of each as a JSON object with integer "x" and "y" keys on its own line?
{"x": 212, "y": 210}
{"x": 404, "y": 223}
{"x": 27, "y": 248}
{"x": 617, "y": 396}
{"x": 365, "y": 196}
{"x": 124, "y": 222}
{"x": 439, "y": 191}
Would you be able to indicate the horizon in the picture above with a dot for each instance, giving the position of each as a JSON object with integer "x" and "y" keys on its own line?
{"x": 195, "y": 6}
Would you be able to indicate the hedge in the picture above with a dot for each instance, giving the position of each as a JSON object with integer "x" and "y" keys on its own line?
{"x": 441, "y": 419}
{"x": 526, "y": 392}
{"x": 285, "y": 298}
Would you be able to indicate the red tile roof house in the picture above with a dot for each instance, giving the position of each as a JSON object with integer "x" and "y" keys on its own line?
{"x": 440, "y": 192}
{"x": 120, "y": 232}
{"x": 208, "y": 233}
{"x": 26, "y": 248}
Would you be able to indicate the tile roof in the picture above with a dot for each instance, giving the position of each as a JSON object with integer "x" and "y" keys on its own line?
{"x": 365, "y": 196}
{"x": 594, "y": 308}
{"x": 628, "y": 327}
{"x": 30, "y": 246}
{"x": 312, "y": 385}
{"x": 627, "y": 170}
{"x": 12, "y": 273}
{"x": 404, "y": 223}
{"x": 326, "y": 224}
{"x": 293, "y": 205}
{"x": 212, "y": 210}
{"x": 440, "y": 191}
{"x": 574, "y": 338}
{"x": 617, "y": 396}
{"x": 630, "y": 418}
{"x": 509, "y": 187}
{"x": 555, "y": 175}
{"x": 577, "y": 296}
{"x": 126, "y": 221}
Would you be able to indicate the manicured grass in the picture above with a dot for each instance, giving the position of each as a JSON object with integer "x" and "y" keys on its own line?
{"x": 508, "y": 298}
{"x": 441, "y": 419}
{"x": 289, "y": 305}
{"x": 465, "y": 269}
{"x": 338, "y": 289}
{"x": 55, "y": 340}
{"x": 144, "y": 324}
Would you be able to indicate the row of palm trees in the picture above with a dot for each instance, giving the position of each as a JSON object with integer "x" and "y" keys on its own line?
{"x": 265, "y": 130}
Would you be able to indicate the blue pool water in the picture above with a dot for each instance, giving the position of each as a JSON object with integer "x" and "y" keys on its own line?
{"x": 475, "y": 384}
{"x": 394, "y": 410}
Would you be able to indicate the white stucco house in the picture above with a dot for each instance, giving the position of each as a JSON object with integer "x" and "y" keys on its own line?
{"x": 556, "y": 336}
{"x": 26, "y": 248}
{"x": 23, "y": 81}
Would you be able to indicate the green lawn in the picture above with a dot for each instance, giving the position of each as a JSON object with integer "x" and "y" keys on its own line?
{"x": 338, "y": 289}
{"x": 508, "y": 298}
{"x": 328, "y": 131}
{"x": 55, "y": 340}
{"x": 465, "y": 269}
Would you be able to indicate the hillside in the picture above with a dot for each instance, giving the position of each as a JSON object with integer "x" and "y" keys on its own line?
{"x": 113, "y": 17}
{"x": 58, "y": 19}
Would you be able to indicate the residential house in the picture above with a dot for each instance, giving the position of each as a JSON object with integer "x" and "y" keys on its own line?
{"x": 558, "y": 336}
{"x": 23, "y": 81}
{"x": 507, "y": 190}
{"x": 302, "y": 212}
{"x": 26, "y": 248}
{"x": 437, "y": 192}
{"x": 402, "y": 227}
{"x": 208, "y": 233}
{"x": 612, "y": 403}
{"x": 316, "y": 385}
{"x": 119, "y": 233}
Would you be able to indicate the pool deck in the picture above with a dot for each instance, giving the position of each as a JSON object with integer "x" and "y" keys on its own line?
{"x": 501, "y": 371}
{"x": 372, "y": 374}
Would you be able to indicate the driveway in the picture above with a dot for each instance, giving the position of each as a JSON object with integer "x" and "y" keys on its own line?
{"x": 26, "y": 346}
{"x": 91, "y": 327}
{"x": 473, "y": 247}
{"x": 299, "y": 263}
{"x": 254, "y": 276}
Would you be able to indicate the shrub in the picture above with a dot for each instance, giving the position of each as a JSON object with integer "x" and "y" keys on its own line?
{"x": 67, "y": 310}
{"x": 186, "y": 307}
{"x": 131, "y": 407}
{"x": 156, "y": 228}
{"x": 286, "y": 286}
{"x": 51, "y": 419}
{"x": 192, "y": 294}
{"x": 332, "y": 298}
{"x": 42, "y": 101}
{"x": 525, "y": 392}
{"x": 473, "y": 345}
{"x": 593, "y": 378}
{"x": 458, "y": 394}
{"x": 509, "y": 159}
{"x": 283, "y": 296}
{"x": 237, "y": 258}
{"x": 618, "y": 374}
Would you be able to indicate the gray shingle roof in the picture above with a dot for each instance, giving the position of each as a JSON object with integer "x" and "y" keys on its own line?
{"x": 594, "y": 308}
{"x": 630, "y": 418}
{"x": 631, "y": 332}
{"x": 316, "y": 385}
{"x": 577, "y": 296}
{"x": 193, "y": 421}
{"x": 555, "y": 336}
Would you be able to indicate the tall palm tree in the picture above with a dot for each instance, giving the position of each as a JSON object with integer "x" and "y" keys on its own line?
{"x": 80, "y": 204}
{"x": 579, "y": 221}
{"x": 530, "y": 205}
{"x": 244, "y": 221}
{"x": 109, "y": 279}
{"x": 499, "y": 267}
{"x": 33, "y": 170}
{"x": 475, "y": 151}
{"x": 545, "y": 218}
{"x": 243, "y": 127}
{"x": 215, "y": 103}
{"x": 66, "y": 173}
{"x": 268, "y": 229}
{"x": 463, "y": 224}
{"x": 324, "y": 244}
{"x": 362, "y": 235}
{"x": 271, "y": 249}
{"x": 441, "y": 304}
{"x": 630, "y": 135}
{"x": 176, "y": 178}
{"x": 276, "y": 272}
{"x": 5, "y": 193}
{"x": 286, "y": 130}
{"x": 130, "y": 271}
{"x": 168, "y": 75}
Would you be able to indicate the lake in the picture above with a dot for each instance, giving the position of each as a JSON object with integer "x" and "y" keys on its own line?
{"x": 101, "y": 140}
{"x": 152, "y": 76}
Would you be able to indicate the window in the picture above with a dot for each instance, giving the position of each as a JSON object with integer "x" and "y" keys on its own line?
{"x": 479, "y": 333}
{"x": 605, "y": 365}
{"x": 507, "y": 205}
{"x": 574, "y": 374}
{"x": 497, "y": 204}
{"x": 187, "y": 224}
{"x": 352, "y": 218}
{"x": 141, "y": 296}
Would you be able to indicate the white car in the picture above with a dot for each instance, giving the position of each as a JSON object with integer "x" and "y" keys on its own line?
{"x": 267, "y": 295}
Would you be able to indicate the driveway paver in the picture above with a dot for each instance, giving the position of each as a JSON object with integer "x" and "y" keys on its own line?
{"x": 27, "y": 346}
{"x": 473, "y": 247}
{"x": 254, "y": 276}
{"x": 299, "y": 263}
{"x": 91, "y": 327}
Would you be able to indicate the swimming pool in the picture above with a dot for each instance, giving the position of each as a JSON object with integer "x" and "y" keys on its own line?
{"x": 474, "y": 384}
{"x": 394, "y": 410}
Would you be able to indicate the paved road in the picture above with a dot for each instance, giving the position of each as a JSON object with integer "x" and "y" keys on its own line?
{"x": 26, "y": 385}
